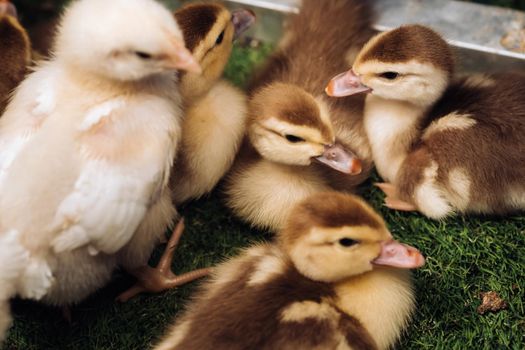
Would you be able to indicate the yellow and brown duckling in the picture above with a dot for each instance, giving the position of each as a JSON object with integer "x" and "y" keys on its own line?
{"x": 212, "y": 130}
{"x": 334, "y": 279}
{"x": 299, "y": 141}
{"x": 215, "y": 117}
{"x": 15, "y": 52}
{"x": 442, "y": 145}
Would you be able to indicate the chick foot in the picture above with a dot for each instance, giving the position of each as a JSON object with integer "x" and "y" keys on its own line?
{"x": 392, "y": 199}
{"x": 160, "y": 278}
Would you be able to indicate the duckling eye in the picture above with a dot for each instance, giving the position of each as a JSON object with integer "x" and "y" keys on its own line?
{"x": 293, "y": 138}
{"x": 347, "y": 242}
{"x": 220, "y": 38}
{"x": 389, "y": 75}
{"x": 143, "y": 55}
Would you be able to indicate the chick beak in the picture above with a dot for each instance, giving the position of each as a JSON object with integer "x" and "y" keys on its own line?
{"x": 180, "y": 58}
{"x": 346, "y": 84}
{"x": 6, "y": 8}
{"x": 399, "y": 255}
{"x": 338, "y": 158}
{"x": 242, "y": 19}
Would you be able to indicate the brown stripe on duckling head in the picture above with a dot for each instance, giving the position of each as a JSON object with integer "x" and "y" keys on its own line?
{"x": 291, "y": 104}
{"x": 328, "y": 210}
{"x": 195, "y": 21}
{"x": 410, "y": 42}
{"x": 332, "y": 209}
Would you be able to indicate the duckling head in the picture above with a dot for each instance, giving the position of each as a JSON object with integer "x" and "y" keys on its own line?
{"x": 411, "y": 63}
{"x": 123, "y": 40}
{"x": 209, "y": 32}
{"x": 287, "y": 125}
{"x": 333, "y": 236}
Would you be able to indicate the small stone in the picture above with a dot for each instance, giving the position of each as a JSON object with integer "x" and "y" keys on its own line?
{"x": 491, "y": 301}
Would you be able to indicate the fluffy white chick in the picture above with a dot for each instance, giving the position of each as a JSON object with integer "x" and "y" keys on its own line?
{"x": 86, "y": 147}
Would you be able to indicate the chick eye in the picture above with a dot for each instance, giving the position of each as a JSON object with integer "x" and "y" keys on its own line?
{"x": 293, "y": 138}
{"x": 347, "y": 242}
{"x": 143, "y": 55}
{"x": 389, "y": 75}
{"x": 220, "y": 38}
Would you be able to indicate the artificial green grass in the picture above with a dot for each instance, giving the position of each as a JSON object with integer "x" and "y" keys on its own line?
{"x": 465, "y": 256}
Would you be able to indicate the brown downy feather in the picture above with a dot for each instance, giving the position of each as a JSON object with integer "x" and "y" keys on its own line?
{"x": 15, "y": 55}
{"x": 399, "y": 46}
{"x": 238, "y": 316}
{"x": 195, "y": 21}
{"x": 317, "y": 43}
{"x": 492, "y": 151}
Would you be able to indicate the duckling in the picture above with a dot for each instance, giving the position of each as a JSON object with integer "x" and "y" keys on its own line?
{"x": 442, "y": 145}
{"x": 212, "y": 129}
{"x": 214, "y": 121}
{"x": 99, "y": 124}
{"x": 298, "y": 141}
{"x": 333, "y": 279}
{"x": 15, "y": 51}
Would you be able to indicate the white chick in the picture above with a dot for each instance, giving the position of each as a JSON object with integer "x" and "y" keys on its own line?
{"x": 86, "y": 147}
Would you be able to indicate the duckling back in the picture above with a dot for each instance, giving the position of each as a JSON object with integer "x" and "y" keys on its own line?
{"x": 475, "y": 138}
{"x": 325, "y": 37}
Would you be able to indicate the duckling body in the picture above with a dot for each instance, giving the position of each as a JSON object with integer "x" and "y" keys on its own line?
{"x": 301, "y": 292}
{"x": 290, "y": 121}
{"x": 15, "y": 52}
{"x": 214, "y": 122}
{"x": 444, "y": 145}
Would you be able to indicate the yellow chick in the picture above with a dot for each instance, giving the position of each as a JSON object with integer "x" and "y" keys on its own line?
{"x": 214, "y": 121}
{"x": 443, "y": 145}
{"x": 15, "y": 52}
{"x": 299, "y": 141}
{"x": 334, "y": 279}
{"x": 86, "y": 148}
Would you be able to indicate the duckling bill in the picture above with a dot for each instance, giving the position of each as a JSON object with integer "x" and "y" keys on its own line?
{"x": 333, "y": 279}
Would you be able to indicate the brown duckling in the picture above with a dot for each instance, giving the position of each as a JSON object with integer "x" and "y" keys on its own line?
{"x": 214, "y": 121}
{"x": 334, "y": 279}
{"x": 299, "y": 141}
{"x": 443, "y": 145}
{"x": 15, "y": 52}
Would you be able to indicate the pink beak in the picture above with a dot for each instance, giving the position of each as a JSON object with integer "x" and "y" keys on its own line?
{"x": 242, "y": 19}
{"x": 346, "y": 84}
{"x": 399, "y": 255}
{"x": 180, "y": 58}
{"x": 341, "y": 160}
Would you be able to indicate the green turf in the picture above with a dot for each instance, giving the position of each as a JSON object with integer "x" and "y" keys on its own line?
{"x": 464, "y": 257}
